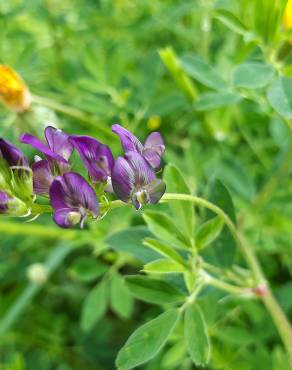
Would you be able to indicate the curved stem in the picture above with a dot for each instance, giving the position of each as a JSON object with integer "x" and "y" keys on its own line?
{"x": 280, "y": 320}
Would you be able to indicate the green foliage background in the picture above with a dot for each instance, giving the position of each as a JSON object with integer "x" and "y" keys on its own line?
{"x": 214, "y": 78}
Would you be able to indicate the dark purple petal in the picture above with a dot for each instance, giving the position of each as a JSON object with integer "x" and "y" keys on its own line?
{"x": 42, "y": 177}
{"x": 129, "y": 141}
{"x": 39, "y": 145}
{"x": 123, "y": 179}
{"x": 154, "y": 149}
{"x": 72, "y": 191}
{"x": 67, "y": 217}
{"x": 4, "y": 199}
{"x": 12, "y": 155}
{"x": 143, "y": 173}
{"x": 155, "y": 190}
{"x": 58, "y": 142}
{"x": 96, "y": 156}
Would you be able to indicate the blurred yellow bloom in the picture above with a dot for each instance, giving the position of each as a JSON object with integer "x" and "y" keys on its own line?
{"x": 13, "y": 92}
{"x": 287, "y": 18}
{"x": 153, "y": 122}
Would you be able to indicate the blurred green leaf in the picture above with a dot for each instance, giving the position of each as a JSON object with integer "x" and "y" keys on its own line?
{"x": 280, "y": 96}
{"x": 253, "y": 75}
{"x": 120, "y": 298}
{"x": 216, "y": 100}
{"x": 153, "y": 290}
{"x": 94, "y": 306}
{"x": 208, "y": 232}
{"x": 196, "y": 335}
{"x": 164, "y": 249}
{"x": 183, "y": 211}
{"x": 87, "y": 269}
{"x": 147, "y": 340}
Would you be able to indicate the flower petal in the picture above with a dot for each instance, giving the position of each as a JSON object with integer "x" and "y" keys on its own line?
{"x": 39, "y": 145}
{"x": 154, "y": 149}
{"x": 129, "y": 141}
{"x": 63, "y": 217}
{"x": 42, "y": 177}
{"x": 72, "y": 191}
{"x": 96, "y": 156}
{"x": 155, "y": 190}
{"x": 123, "y": 179}
{"x": 4, "y": 198}
{"x": 12, "y": 155}
{"x": 143, "y": 173}
{"x": 58, "y": 142}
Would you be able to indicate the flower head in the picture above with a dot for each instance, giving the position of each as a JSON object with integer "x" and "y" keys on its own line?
{"x": 12, "y": 206}
{"x": 13, "y": 91}
{"x": 134, "y": 180}
{"x": 57, "y": 151}
{"x": 73, "y": 200}
{"x": 152, "y": 150}
{"x": 96, "y": 156}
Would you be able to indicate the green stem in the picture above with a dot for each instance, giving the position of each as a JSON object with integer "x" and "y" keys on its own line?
{"x": 280, "y": 320}
{"x": 73, "y": 112}
{"x": 220, "y": 284}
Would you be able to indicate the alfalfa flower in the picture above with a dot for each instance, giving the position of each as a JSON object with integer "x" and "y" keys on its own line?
{"x": 152, "y": 150}
{"x": 134, "y": 180}
{"x": 13, "y": 91}
{"x": 97, "y": 157}
{"x": 57, "y": 152}
{"x": 73, "y": 200}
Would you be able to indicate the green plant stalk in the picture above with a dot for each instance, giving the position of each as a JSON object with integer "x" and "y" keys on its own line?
{"x": 74, "y": 113}
{"x": 280, "y": 320}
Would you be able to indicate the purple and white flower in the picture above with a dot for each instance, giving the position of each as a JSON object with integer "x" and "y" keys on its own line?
{"x": 134, "y": 180}
{"x": 97, "y": 157}
{"x": 57, "y": 151}
{"x": 152, "y": 150}
{"x": 73, "y": 200}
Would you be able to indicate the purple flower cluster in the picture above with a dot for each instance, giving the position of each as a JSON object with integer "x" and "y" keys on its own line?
{"x": 131, "y": 177}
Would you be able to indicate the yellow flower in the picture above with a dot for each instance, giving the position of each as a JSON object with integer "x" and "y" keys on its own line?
{"x": 154, "y": 122}
{"x": 13, "y": 92}
{"x": 287, "y": 18}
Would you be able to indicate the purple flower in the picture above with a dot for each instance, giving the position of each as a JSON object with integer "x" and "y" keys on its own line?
{"x": 12, "y": 155}
{"x": 57, "y": 151}
{"x": 58, "y": 146}
{"x": 96, "y": 156}
{"x": 73, "y": 199}
{"x": 134, "y": 180}
{"x": 152, "y": 150}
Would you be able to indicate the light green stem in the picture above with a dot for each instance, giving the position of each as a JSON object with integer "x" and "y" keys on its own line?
{"x": 280, "y": 320}
{"x": 74, "y": 113}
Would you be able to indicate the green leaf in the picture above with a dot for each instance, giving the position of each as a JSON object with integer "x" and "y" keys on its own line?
{"x": 87, "y": 269}
{"x": 164, "y": 249}
{"x": 164, "y": 228}
{"x": 131, "y": 241}
{"x": 224, "y": 247}
{"x": 231, "y": 21}
{"x": 253, "y": 75}
{"x": 203, "y": 72}
{"x": 208, "y": 232}
{"x": 120, "y": 298}
{"x": 153, "y": 290}
{"x": 216, "y": 100}
{"x": 147, "y": 340}
{"x": 163, "y": 266}
{"x": 280, "y": 96}
{"x": 94, "y": 306}
{"x": 183, "y": 211}
{"x": 196, "y": 335}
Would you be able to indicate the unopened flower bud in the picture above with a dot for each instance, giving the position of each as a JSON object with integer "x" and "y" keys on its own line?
{"x": 37, "y": 273}
{"x": 12, "y": 206}
{"x": 13, "y": 92}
